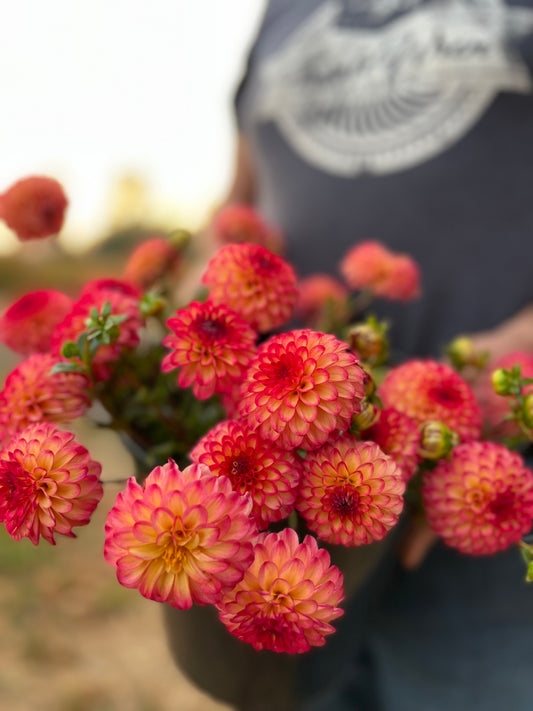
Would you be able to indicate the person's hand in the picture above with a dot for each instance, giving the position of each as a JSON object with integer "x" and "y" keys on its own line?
{"x": 416, "y": 543}
{"x": 515, "y": 334}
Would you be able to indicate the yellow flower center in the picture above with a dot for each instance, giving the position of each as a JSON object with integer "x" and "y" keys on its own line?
{"x": 174, "y": 557}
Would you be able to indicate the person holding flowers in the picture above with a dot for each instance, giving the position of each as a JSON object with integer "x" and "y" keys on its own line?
{"x": 410, "y": 124}
{"x": 331, "y": 520}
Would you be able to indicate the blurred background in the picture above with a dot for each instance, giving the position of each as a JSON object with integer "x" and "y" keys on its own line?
{"x": 129, "y": 105}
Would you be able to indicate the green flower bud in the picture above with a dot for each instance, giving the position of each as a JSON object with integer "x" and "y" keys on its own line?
{"x": 369, "y": 342}
{"x": 368, "y": 416}
{"x": 436, "y": 440}
{"x": 501, "y": 382}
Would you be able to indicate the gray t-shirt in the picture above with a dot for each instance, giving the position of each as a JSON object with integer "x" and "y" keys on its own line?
{"x": 411, "y": 123}
{"x": 407, "y": 122}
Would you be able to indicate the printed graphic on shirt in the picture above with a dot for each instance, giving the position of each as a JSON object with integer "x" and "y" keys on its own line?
{"x": 398, "y": 91}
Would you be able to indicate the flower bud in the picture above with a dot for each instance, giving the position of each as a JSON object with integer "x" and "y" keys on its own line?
{"x": 179, "y": 238}
{"x": 436, "y": 440}
{"x": 368, "y": 416}
{"x": 501, "y": 382}
{"x": 369, "y": 342}
{"x": 152, "y": 304}
{"x": 462, "y": 353}
{"x": 369, "y": 384}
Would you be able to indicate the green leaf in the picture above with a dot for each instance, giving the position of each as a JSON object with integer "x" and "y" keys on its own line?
{"x": 66, "y": 368}
{"x": 70, "y": 350}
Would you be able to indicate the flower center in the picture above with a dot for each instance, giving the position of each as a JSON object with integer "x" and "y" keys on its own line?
{"x": 503, "y": 506}
{"x": 211, "y": 328}
{"x": 344, "y": 503}
{"x": 241, "y": 470}
{"x": 174, "y": 557}
{"x": 445, "y": 394}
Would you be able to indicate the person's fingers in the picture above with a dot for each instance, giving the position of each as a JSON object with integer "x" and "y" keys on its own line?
{"x": 416, "y": 544}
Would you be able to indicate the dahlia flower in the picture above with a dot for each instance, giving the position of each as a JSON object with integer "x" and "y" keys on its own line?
{"x": 32, "y": 394}
{"x": 211, "y": 344}
{"x": 288, "y": 597}
{"x": 182, "y": 537}
{"x": 107, "y": 284}
{"x": 351, "y": 492}
{"x": 495, "y": 407}
{"x": 48, "y": 484}
{"x": 34, "y": 207}
{"x": 236, "y": 224}
{"x": 302, "y": 387}
{"x": 371, "y": 266}
{"x": 481, "y": 500}
{"x": 398, "y": 436}
{"x": 254, "y": 282}
{"x": 150, "y": 261}
{"x": 253, "y": 465}
{"x": 322, "y": 299}
{"x": 427, "y": 390}
{"x": 27, "y": 325}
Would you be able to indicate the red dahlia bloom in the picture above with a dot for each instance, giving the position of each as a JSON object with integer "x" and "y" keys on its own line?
{"x": 302, "y": 387}
{"x": 211, "y": 344}
{"x": 254, "y": 282}
{"x": 107, "y": 284}
{"x": 31, "y": 394}
{"x": 351, "y": 492}
{"x": 34, "y": 207}
{"x": 427, "y": 390}
{"x": 322, "y": 299}
{"x": 182, "y": 537}
{"x": 288, "y": 597}
{"x": 253, "y": 465}
{"x": 27, "y": 325}
{"x": 481, "y": 500}
{"x": 150, "y": 261}
{"x": 398, "y": 436}
{"x": 371, "y": 266}
{"x": 48, "y": 484}
{"x": 237, "y": 224}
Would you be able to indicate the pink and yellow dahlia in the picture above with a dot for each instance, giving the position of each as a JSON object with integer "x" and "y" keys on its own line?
{"x": 371, "y": 266}
{"x": 182, "y": 537}
{"x": 302, "y": 387}
{"x": 351, "y": 492}
{"x": 481, "y": 500}
{"x": 253, "y": 465}
{"x": 237, "y": 224}
{"x": 288, "y": 597}
{"x": 48, "y": 484}
{"x": 254, "y": 282}
{"x": 150, "y": 261}
{"x": 34, "y": 207}
{"x": 427, "y": 390}
{"x": 32, "y": 394}
{"x": 27, "y": 325}
{"x": 322, "y": 299}
{"x": 211, "y": 344}
{"x": 398, "y": 436}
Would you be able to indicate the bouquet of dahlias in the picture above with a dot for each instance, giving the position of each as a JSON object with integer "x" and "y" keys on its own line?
{"x": 257, "y": 448}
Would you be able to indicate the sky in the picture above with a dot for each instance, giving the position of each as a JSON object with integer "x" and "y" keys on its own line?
{"x": 99, "y": 93}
